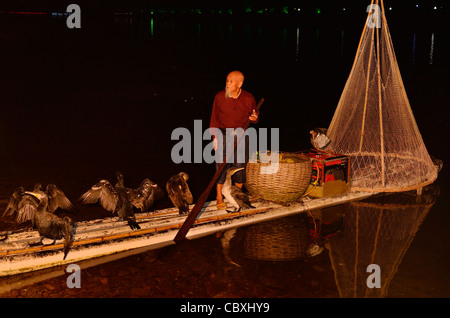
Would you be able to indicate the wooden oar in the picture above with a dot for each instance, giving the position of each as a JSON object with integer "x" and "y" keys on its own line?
{"x": 204, "y": 196}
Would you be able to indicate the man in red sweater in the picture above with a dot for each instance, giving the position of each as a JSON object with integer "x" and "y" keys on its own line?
{"x": 232, "y": 108}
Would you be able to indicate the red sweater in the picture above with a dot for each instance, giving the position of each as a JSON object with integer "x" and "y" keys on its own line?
{"x": 230, "y": 112}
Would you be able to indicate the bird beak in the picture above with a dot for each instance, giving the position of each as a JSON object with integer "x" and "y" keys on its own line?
{"x": 34, "y": 194}
{"x": 239, "y": 169}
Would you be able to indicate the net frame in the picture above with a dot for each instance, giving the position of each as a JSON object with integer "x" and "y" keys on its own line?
{"x": 374, "y": 123}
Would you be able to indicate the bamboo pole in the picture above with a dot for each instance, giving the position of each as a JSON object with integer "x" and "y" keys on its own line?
{"x": 111, "y": 237}
{"x": 367, "y": 85}
{"x": 380, "y": 109}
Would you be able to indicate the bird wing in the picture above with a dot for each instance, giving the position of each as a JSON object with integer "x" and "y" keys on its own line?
{"x": 14, "y": 200}
{"x": 27, "y": 208}
{"x": 143, "y": 196}
{"x": 173, "y": 196}
{"x": 185, "y": 187}
{"x": 240, "y": 195}
{"x": 148, "y": 201}
{"x": 104, "y": 192}
{"x": 187, "y": 193}
{"x": 50, "y": 217}
{"x": 57, "y": 199}
{"x": 23, "y": 204}
{"x": 177, "y": 189}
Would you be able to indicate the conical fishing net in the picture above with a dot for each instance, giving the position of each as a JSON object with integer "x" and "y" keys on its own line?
{"x": 374, "y": 123}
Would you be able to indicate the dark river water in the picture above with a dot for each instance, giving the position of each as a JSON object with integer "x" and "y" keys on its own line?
{"x": 79, "y": 104}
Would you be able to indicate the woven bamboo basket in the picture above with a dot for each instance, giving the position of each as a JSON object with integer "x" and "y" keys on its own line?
{"x": 284, "y": 186}
{"x": 277, "y": 240}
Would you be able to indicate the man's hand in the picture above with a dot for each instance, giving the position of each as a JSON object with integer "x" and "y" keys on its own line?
{"x": 215, "y": 143}
{"x": 253, "y": 117}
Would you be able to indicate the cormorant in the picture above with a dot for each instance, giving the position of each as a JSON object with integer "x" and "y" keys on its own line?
{"x": 235, "y": 196}
{"x": 25, "y": 205}
{"x": 179, "y": 193}
{"x": 51, "y": 226}
{"x": 319, "y": 138}
{"x": 121, "y": 200}
{"x": 142, "y": 197}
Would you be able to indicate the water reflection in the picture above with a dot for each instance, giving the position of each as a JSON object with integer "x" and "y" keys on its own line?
{"x": 377, "y": 230}
{"x": 284, "y": 38}
{"x": 266, "y": 36}
{"x": 297, "y": 45}
{"x": 278, "y": 240}
{"x": 151, "y": 27}
{"x": 317, "y": 42}
{"x": 432, "y": 48}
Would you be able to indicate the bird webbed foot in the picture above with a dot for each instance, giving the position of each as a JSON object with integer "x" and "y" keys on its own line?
{"x": 38, "y": 243}
{"x": 53, "y": 243}
{"x": 133, "y": 224}
{"x": 183, "y": 211}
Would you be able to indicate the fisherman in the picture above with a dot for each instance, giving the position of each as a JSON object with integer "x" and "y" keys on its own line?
{"x": 232, "y": 108}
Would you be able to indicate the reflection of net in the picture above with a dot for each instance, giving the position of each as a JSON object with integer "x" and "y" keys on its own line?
{"x": 375, "y": 232}
{"x": 374, "y": 123}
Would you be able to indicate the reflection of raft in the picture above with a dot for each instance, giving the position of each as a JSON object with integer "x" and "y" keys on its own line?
{"x": 277, "y": 240}
{"x": 99, "y": 238}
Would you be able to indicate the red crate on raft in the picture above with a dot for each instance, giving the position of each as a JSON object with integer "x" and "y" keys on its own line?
{"x": 330, "y": 174}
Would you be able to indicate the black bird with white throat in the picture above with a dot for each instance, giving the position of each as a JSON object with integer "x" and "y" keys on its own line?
{"x": 235, "y": 196}
{"x": 24, "y": 205}
{"x": 51, "y": 226}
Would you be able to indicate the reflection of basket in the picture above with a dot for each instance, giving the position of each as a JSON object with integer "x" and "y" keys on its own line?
{"x": 286, "y": 185}
{"x": 277, "y": 240}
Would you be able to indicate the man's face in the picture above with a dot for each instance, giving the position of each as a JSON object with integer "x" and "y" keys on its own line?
{"x": 233, "y": 83}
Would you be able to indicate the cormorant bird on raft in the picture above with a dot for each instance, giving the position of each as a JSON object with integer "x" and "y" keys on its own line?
{"x": 51, "y": 226}
{"x": 120, "y": 199}
{"x": 179, "y": 193}
{"x": 235, "y": 196}
{"x": 25, "y": 205}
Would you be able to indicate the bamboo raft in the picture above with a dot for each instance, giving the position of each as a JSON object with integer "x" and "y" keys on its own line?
{"x": 106, "y": 237}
